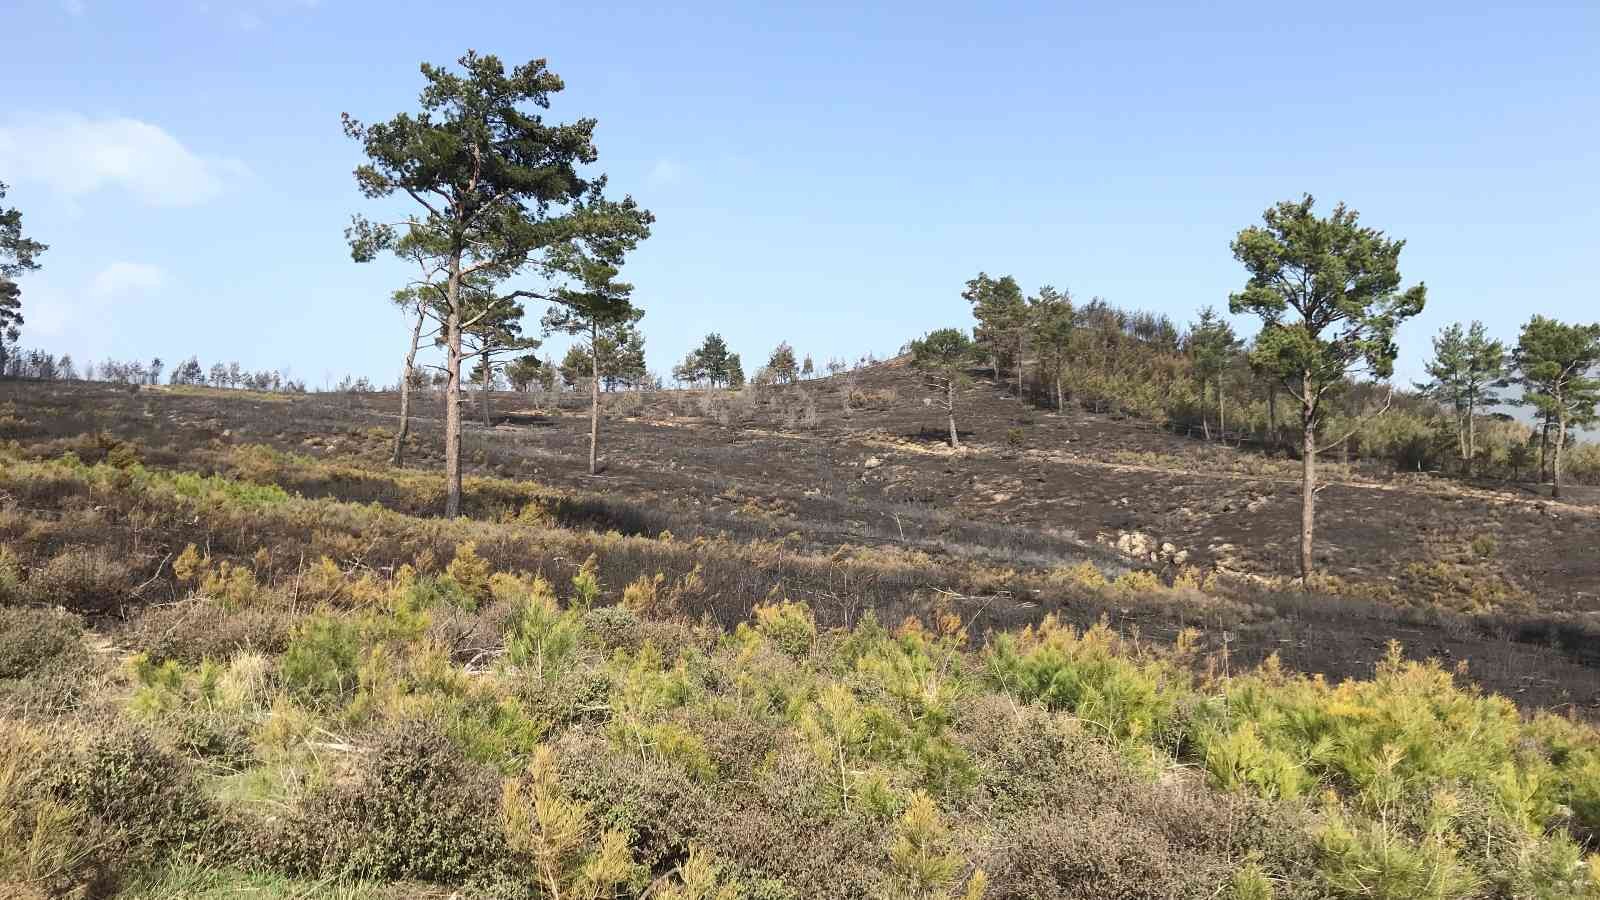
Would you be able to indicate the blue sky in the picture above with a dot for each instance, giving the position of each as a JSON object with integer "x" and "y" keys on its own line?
{"x": 828, "y": 175}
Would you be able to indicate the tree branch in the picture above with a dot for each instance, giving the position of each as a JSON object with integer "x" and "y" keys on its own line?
{"x": 1388, "y": 398}
{"x": 425, "y": 204}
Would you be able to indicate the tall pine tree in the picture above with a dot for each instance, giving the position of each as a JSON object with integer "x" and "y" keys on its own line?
{"x": 1328, "y": 293}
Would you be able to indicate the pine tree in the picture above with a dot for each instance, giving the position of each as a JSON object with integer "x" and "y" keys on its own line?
{"x": 16, "y": 256}
{"x": 943, "y": 358}
{"x": 1212, "y": 347}
{"x": 1002, "y": 315}
{"x": 710, "y": 361}
{"x": 496, "y": 185}
{"x": 781, "y": 367}
{"x": 1464, "y": 372}
{"x": 593, "y": 301}
{"x": 1328, "y": 293}
{"x": 1556, "y": 366}
{"x": 526, "y": 371}
{"x": 691, "y": 371}
{"x": 1052, "y": 320}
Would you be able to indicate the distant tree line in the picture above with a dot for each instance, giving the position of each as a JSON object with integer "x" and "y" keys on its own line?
{"x": 1313, "y": 380}
{"x": 43, "y": 366}
{"x": 713, "y": 365}
{"x": 1205, "y": 379}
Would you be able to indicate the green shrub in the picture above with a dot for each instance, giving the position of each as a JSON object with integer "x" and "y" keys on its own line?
{"x": 418, "y": 811}
{"x": 922, "y": 863}
{"x": 1088, "y": 676}
{"x": 586, "y": 584}
{"x": 1375, "y": 861}
{"x": 468, "y": 573}
{"x": 322, "y": 661}
{"x": 1250, "y": 882}
{"x": 552, "y": 840}
{"x": 12, "y": 588}
{"x": 788, "y": 625}
{"x": 143, "y": 801}
{"x": 1399, "y": 731}
{"x": 543, "y": 638}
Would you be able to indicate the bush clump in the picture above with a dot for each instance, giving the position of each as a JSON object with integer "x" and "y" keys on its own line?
{"x": 420, "y": 810}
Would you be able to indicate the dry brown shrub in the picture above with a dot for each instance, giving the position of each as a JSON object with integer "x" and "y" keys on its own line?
{"x": 83, "y": 579}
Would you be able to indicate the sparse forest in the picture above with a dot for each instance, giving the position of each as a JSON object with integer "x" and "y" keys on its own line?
{"x": 1064, "y": 601}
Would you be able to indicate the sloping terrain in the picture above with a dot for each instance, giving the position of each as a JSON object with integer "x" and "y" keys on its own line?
{"x": 1493, "y": 575}
{"x": 782, "y": 649}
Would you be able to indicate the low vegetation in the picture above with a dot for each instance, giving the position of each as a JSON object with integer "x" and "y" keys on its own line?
{"x": 441, "y": 708}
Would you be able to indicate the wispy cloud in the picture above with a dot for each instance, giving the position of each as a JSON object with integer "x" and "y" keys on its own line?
{"x": 665, "y": 172}
{"x": 251, "y": 15}
{"x": 123, "y": 279}
{"x": 77, "y": 155}
{"x": 74, "y": 8}
{"x": 87, "y": 312}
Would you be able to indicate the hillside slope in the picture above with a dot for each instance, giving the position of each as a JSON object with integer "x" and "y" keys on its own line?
{"x": 856, "y": 460}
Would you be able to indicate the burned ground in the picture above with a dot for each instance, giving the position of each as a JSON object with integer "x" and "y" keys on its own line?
{"x": 1492, "y": 575}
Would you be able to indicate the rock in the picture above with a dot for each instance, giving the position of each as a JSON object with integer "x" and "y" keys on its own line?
{"x": 1181, "y": 557}
{"x": 1167, "y": 548}
{"x": 872, "y": 463}
{"x": 1135, "y": 543}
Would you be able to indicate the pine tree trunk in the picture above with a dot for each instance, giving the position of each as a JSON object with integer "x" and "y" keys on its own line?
{"x": 1272, "y": 413}
{"x": 594, "y": 397}
{"x": 1222, "y": 415}
{"x": 950, "y": 406}
{"x": 1555, "y": 470}
{"x": 452, "y": 395}
{"x": 1472, "y": 433}
{"x": 1472, "y": 437}
{"x": 403, "y": 430}
{"x": 1059, "y": 404}
{"x": 488, "y": 381}
{"x": 1544, "y": 447}
{"x": 1020, "y": 344}
{"x": 1308, "y": 481}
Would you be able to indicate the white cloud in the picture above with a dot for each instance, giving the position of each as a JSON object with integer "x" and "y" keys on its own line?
{"x": 77, "y": 155}
{"x": 47, "y": 311}
{"x": 74, "y": 8}
{"x": 121, "y": 279}
{"x": 665, "y": 172}
{"x": 85, "y": 313}
{"x": 251, "y": 15}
